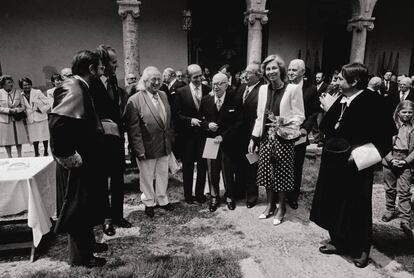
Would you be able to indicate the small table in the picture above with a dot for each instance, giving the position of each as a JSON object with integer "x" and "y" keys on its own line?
{"x": 29, "y": 183}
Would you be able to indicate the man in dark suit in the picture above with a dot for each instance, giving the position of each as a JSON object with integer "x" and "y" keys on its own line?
{"x": 296, "y": 71}
{"x": 388, "y": 87}
{"x": 110, "y": 101}
{"x": 170, "y": 84}
{"x": 221, "y": 120}
{"x": 321, "y": 87}
{"x": 247, "y": 97}
{"x": 404, "y": 92}
{"x": 190, "y": 140}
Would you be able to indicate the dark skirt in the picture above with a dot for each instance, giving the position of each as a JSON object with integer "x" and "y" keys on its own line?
{"x": 275, "y": 169}
{"x": 342, "y": 203}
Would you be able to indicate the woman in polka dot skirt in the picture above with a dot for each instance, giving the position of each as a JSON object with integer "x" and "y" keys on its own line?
{"x": 275, "y": 169}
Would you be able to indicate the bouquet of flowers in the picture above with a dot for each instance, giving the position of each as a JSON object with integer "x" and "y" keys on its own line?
{"x": 287, "y": 128}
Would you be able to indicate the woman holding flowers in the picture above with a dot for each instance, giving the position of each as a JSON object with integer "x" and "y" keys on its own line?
{"x": 280, "y": 111}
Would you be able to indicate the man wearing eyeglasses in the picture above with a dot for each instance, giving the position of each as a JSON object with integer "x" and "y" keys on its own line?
{"x": 190, "y": 138}
{"x": 221, "y": 120}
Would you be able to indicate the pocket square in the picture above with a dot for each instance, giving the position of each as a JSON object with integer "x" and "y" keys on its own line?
{"x": 231, "y": 110}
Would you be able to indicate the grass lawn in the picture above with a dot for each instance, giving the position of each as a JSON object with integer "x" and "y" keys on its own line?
{"x": 188, "y": 242}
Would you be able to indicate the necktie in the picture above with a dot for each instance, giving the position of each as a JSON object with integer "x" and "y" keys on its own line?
{"x": 198, "y": 96}
{"x": 158, "y": 107}
{"x": 218, "y": 104}
{"x": 388, "y": 86}
{"x": 109, "y": 89}
{"x": 246, "y": 94}
{"x": 402, "y": 96}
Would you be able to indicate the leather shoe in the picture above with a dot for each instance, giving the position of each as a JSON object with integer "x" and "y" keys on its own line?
{"x": 231, "y": 205}
{"x": 213, "y": 204}
{"x": 328, "y": 250}
{"x": 108, "y": 229}
{"x": 201, "y": 199}
{"x": 168, "y": 207}
{"x": 95, "y": 262}
{"x": 99, "y": 247}
{"x": 123, "y": 223}
{"x": 363, "y": 261}
{"x": 293, "y": 204}
{"x": 250, "y": 204}
{"x": 189, "y": 201}
{"x": 407, "y": 229}
{"x": 149, "y": 211}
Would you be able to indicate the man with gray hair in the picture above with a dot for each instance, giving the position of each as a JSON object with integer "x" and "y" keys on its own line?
{"x": 374, "y": 84}
{"x": 247, "y": 96}
{"x": 170, "y": 84}
{"x": 189, "y": 143}
{"x": 295, "y": 73}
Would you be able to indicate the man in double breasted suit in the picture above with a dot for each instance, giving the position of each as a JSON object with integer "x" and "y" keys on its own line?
{"x": 190, "y": 140}
{"x": 247, "y": 96}
{"x": 148, "y": 123}
{"x": 221, "y": 120}
{"x": 296, "y": 71}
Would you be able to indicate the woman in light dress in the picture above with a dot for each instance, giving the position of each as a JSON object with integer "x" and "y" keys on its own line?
{"x": 37, "y": 105}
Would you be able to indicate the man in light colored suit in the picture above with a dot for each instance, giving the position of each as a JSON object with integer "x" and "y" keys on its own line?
{"x": 148, "y": 123}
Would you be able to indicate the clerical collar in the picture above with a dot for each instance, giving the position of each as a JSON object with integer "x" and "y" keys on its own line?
{"x": 348, "y": 100}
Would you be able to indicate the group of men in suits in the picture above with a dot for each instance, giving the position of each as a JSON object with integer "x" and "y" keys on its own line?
{"x": 227, "y": 117}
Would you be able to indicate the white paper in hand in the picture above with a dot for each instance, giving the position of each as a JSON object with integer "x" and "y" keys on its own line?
{"x": 252, "y": 157}
{"x": 365, "y": 156}
{"x": 211, "y": 149}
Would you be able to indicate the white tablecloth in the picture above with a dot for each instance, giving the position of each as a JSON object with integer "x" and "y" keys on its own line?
{"x": 29, "y": 183}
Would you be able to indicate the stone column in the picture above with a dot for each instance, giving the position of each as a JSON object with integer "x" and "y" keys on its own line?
{"x": 254, "y": 20}
{"x": 129, "y": 11}
{"x": 359, "y": 27}
{"x": 360, "y": 23}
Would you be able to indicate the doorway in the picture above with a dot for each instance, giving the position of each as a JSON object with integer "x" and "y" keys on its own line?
{"x": 218, "y": 35}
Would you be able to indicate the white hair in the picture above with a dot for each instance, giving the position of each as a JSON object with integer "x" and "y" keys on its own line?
{"x": 146, "y": 74}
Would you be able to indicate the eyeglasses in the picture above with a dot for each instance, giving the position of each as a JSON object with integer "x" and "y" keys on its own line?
{"x": 219, "y": 84}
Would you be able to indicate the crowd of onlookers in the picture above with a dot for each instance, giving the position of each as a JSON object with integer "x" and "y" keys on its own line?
{"x": 251, "y": 128}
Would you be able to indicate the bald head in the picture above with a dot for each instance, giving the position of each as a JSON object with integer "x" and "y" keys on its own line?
{"x": 220, "y": 83}
{"x": 195, "y": 74}
{"x": 296, "y": 70}
{"x": 375, "y": 83}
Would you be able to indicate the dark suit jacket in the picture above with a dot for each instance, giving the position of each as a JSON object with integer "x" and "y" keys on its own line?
{"x": 147, "y": 133}
{"x": 105, "y": 106}
{"x": 172, "y": 90}
{"x": 185, "y": 109}
{"x": 322, "y": 89}
{"x": 228, "y": 119}
{"x": 249, "y": 113}
{"x": 311, "y": 103}
{"x": 392, "y": 89}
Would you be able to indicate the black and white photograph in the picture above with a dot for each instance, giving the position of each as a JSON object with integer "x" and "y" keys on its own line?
{"x": 207, "y": 139}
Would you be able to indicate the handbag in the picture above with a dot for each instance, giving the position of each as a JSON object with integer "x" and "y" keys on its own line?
{"x": 19, "y": 116}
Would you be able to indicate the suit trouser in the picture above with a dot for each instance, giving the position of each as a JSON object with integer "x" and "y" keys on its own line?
{"x": 318, "y": 134}
{"x": 398, "y": 183}
{"x": 191, "y": 155}
{"x": 246, "y": 179}
{"x": 115, "y": 161}
{"x": 223, "y": 163}
{"x": 151, "y": 169}
{"x": 80, "y": 243}
{"x": 299, "y": 159}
